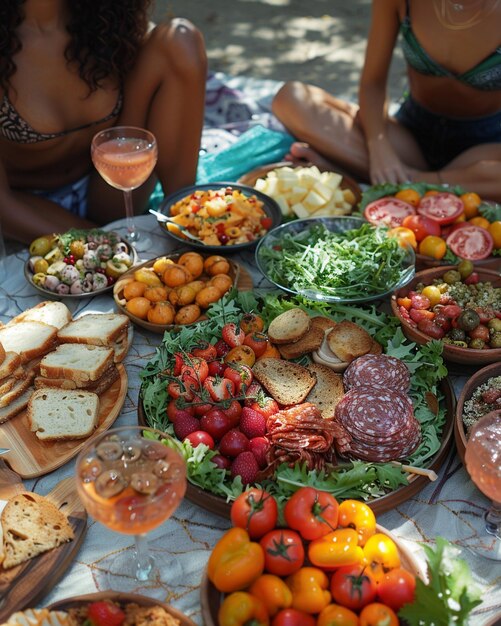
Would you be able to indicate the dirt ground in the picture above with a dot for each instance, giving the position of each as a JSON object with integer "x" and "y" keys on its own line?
{"x": 320, "y": 41}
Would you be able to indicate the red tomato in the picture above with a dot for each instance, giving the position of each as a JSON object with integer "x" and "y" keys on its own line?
{"x": 397, "y": 588}
{"x": 421, "y": 226}
{"x": 216, "y": 423}
{"x": 216, "y": 368}
{"x": 265, "y": 405}
{"x": 313, "y": 513}
{"x": 232, "y": 334}
{"x": 430, "y": 328}
{"x": 388, "y": 211}
{"x": 251, "y": 322}
{"x": 471, "y": 242}
{"x": 195, "y": 368}
{"x": 480, "y": 332}
{"x": 258, "y": 342}
{"x": 444, "y": 208}
{"x": 205, "y": 350}
{"x": 219, "y": 388}
{"x": 452, "y": 311}
{"x": 241, "y": 375}
{"x": 233, "y": 411}
{"x": 105, "y": 614}
{"x": 200, "y": 436}
{"x": 173, "y": 407}
{"x": 377, "y": 614}
{"x": 256, "y": 511}
{"x": 283, "y": 551}
{"x": 353, "y": 586}
{"x": 266, "y": 223}
{"x": 293, "y": 617}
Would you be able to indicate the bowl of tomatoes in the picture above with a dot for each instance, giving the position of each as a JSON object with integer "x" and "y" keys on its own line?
{"x": 442, "y": 224}
{"x": 457, "y": 304}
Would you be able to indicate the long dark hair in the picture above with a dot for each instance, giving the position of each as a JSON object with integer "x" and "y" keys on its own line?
{"x": 105, "y": 37}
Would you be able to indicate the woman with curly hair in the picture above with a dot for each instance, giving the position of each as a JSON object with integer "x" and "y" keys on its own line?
{"x": 71, "y": 68}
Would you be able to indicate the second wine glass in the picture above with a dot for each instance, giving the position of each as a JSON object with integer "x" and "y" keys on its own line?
{"x": 125, "y": 156}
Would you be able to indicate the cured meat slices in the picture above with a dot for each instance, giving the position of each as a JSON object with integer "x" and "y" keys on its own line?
{"x": 377, "y": 370}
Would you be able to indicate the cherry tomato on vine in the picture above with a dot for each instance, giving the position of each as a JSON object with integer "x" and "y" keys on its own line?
{"x": 283, "y": 551}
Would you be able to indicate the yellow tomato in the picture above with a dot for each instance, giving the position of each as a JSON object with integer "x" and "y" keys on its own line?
{"x": 433, "y": 246}
{"x": 411, "y": 196}
{"x": 433, "y": 294}
{"x": 405, "y": 236}
{"x": 480, "y": 221}
{"x": 471, "y": 203}
{"x": 495, "y": 231}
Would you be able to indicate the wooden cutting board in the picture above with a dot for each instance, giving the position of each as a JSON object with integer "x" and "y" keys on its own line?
{"x": 29, "y": 457}
{"x": 24, "y": 585}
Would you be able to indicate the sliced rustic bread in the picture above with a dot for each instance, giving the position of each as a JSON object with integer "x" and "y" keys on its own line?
{"x": 32, "y": 525}
{"x": 63, "y": 414}
{"x": 289, "y": 326}
{"x": 97, "y": 386}
{"x": 78, "y": 362}
{"x": 100, "y": 329}
{"x": 15, "y": 406}
{"x": 50, "y": 312}
{"x": 123, "y": 344}
{"x": 287, "y": 382}
{"x": 19, "y": 387}
{"x": 10, "y": 364}
{"x": 348, "y": 341}
{"x": 8, "y": 382}
{"x": 29, "y": 339}
{"x": 2, "y": 353}
{"x": 327, "y": 391}
{"x": 312, "y": 340}
{"x": 320, "y": 321}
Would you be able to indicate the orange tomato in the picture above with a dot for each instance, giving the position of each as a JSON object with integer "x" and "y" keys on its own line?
{"x": 433, "y": 246}
{"x": 134, "y": 289}
{"x": 176, "y": 275}
{"x": 161, "y": 313}
{"x": 495, "y": 231}
{"x": 480, "y": 221}
{"x": 377, "y": 614}
{"x": 460, "y": 218}
{"x": 337, "y": 615}
{"x": 271, "y": 352}
{"x": 405, "y": 236}
{"x": 471, "y": 203}
{"x": 155, "y": 294}
{"x": 411, "y": 196}
{"x": 138, "y": 306}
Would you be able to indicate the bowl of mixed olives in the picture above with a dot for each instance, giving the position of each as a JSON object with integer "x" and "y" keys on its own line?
{"x": 78, "y": 263}
{"x": 457, "y": 304}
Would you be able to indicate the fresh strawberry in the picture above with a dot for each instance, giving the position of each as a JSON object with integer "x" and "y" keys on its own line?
{"x": 232, "y": 334}
{"x": 185, "y": 424}
{"x": 180, "y": 414}
{"x": 241, "y": 375}
{"x": 105, "y": 614}
{"x": 245, "y": 466}
{"x": 233, "y": 443}
{"x": 219, "y": 388}
{"x": 222, "y": 348}
{"x": 259, "y": 446}
{"x": 252, "y": 393}
{"x": 252, "y": 423}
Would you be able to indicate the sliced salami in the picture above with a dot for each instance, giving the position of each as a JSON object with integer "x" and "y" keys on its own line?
{"x": 378, "y": 370}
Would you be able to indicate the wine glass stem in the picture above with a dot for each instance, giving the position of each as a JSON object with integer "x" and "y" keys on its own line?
{"x": 129, "y": 212}
{"x": 144, "y": 562}
{"x": 493, "y": 520}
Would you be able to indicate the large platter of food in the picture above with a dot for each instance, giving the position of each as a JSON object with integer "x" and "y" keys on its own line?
{"x": 459, "y": 305}
{"x": 305, "y": 191}
{"x": 444, "y": 224}
{"x": 62, "y": 380}
{"x": 335, "y": 259}
{"x": 174, "y": 290}
{"x": 221, "y": 217}
{"x": 52, "y": 528}
{"x": 78, "y": 263}
{"x": 278, "y": 390}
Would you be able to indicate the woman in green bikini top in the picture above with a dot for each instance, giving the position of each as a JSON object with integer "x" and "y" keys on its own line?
{"x": 448, "y": 129}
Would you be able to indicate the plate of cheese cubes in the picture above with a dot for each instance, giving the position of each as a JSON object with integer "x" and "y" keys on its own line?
{"x": 305, "y": 191}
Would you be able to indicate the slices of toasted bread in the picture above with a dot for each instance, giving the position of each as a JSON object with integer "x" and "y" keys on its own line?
{"x": 289, "y": 326}
{"x": 349, "y": 341}
{"x": 328, "y": 389}
{"x": 32, "y": 525}
{"x": 49, "y": 312}
{"x": 325, "y": 323}
{"x": 286, "y": 382}
{"x": 309, "y": 342}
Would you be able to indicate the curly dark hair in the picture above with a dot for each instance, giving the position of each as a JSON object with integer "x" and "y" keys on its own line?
{"x": 105, "y": 37}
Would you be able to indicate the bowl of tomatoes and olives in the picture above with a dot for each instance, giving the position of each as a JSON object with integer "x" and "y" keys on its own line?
{"x": 441, "y": 225}
{"x": 458, "y": 304}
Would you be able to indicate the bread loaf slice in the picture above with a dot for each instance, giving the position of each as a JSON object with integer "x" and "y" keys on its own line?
{"x": 50, "y": 312}
{"x": 77, "y": 362}
{"x": 99, "y": 329}
{"x": 8, "y": 382}
{"x": 20, "y": 386}
{"x": 2, "y": 354}
{"x": 287, "y": 382}
{"x": 97, "y": 386}
{"x": 16, "y": 406}
{"x": 40, "y": 617}
{"x": 309, "y": 342}
{"x": 10, "y": 364}
{"x": 289, "y": 326}
{"x": 29, "y": 339}
{"x": 32, "y": 525}
{"x": 325, "y": 323}
{"x": 123, "y": 344}
{"x": 349, "y": 341}
{"x": 63, "y": 414}
{"x": 327, "y": 391}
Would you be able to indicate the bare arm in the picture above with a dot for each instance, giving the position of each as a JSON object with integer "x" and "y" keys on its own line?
{"x": 385, "y": 166}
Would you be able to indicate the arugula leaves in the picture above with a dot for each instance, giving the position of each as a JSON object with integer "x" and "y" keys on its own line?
{"x": 449, "y": 596}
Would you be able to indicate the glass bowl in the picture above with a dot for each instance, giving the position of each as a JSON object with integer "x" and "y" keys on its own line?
{"x": 275, "y": 238}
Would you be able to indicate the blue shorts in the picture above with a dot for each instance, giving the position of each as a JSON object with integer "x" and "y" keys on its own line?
{"x": 72, "y": 197}
{"x": 440, "y": 138}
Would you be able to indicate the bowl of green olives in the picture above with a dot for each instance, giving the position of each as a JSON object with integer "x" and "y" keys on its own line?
{"x": 457, "y": 304}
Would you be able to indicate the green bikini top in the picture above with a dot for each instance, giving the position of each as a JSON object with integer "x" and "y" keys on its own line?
{"x": 485, "y": 76}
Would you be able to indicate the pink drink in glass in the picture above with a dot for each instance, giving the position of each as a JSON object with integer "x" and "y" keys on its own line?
{"x": 125, "y": 163}
{"x": 483, "y": 455}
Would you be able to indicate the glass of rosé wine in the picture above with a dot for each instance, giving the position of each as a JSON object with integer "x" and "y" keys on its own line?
{"x": 483, "y": 464}
{"x": 125, "y": 156}
{"x": 131, "y": 482}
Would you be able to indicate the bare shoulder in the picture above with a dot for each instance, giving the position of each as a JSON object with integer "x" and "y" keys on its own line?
{"x": 181, "y": 40}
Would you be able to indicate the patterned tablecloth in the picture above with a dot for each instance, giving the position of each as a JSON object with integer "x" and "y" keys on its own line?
{"x": 192, "y": 532}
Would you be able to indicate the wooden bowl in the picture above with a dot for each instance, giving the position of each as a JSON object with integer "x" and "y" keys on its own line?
{"x": 425, "y": 262}
{"x": 479, "y": 378}
{"x": 218, "y": 505}
{"x": 120, "y": 598}
{"x": 211, "y": 598}
{"x": 455, "y": 354}
{"x": 240, "y": 276}
{"x": 260, "y": 172}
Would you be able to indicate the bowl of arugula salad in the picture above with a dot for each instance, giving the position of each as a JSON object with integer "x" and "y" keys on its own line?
{"x": 335, "y": 259}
